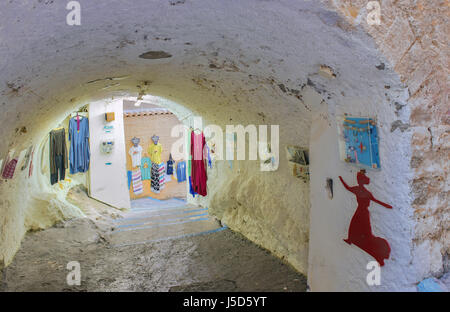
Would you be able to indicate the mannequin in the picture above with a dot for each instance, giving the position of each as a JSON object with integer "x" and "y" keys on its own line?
{"x": 135, "y": 152}
{"x": 155, "y": 150}
{"x": 155, "y": 139}
{"x": 135, "y": 141}
{"x": 157, "y": 172}
{"x": 169, "y": 168}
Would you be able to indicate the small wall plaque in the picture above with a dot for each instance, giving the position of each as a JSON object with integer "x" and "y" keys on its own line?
{"x": 109, "y": 116}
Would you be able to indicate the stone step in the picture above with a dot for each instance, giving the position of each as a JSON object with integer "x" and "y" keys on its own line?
{"x": 162, "y": 230}
{"x": 152, "y": 220}
{"x": 144, "y": 216}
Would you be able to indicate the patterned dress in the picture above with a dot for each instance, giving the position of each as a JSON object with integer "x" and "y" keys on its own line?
{"x": 158, "y": 168}
{"x": 157, "y": 177}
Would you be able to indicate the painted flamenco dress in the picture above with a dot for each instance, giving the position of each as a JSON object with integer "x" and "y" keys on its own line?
{"x": 360, "y": 230}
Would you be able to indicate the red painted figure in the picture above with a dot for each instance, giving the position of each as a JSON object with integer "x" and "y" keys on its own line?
{"x": 360, "y": 230}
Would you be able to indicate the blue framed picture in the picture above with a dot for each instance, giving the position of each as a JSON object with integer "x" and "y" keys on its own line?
{"x": 359, "y": 142}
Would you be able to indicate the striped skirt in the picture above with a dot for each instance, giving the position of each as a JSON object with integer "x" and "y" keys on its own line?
{"x": 138, "y": 188}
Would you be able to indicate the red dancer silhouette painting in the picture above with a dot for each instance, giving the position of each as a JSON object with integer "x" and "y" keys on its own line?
{"x": 360, "y": 230}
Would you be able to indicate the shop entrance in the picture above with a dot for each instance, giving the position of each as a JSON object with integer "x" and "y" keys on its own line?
{"x": 153, "y": 172}
{"x": 157, "y": 167}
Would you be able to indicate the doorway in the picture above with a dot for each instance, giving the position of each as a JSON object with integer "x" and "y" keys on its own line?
{"x": 151, "y": 167}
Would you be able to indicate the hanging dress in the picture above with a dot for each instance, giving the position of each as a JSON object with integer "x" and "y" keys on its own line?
{"x": 198, "y": 164}
{"x": 157, "y": 177}
{"x": 181, "y": 171}
{"x": 79, "y": 154}
{"x": 138, "y": 188}
{"x": 170, "y": 165}
{"x": 157, "y": 182}
{"x": 58, "y": 155}
{"x": 136, "y": 155}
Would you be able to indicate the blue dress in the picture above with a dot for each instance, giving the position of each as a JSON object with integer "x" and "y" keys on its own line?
{"x": 181, "y": 171}
{"x": 169, "y": 170}
{"x": 79, "y": 154}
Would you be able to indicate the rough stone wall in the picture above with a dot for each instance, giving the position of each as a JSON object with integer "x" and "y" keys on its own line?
{"x": 413, "y": 35}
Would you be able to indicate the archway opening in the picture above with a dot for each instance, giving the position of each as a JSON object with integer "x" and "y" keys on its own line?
{"x": 299, "y": 66}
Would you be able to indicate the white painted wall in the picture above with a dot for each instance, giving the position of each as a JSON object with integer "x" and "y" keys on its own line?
{"x": 333, "y": 264}
{"x": 280, "y": 45}
{"x": 109, "y": 183}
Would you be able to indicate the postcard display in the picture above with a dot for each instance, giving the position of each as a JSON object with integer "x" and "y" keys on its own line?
{"x": 358, "y": 142}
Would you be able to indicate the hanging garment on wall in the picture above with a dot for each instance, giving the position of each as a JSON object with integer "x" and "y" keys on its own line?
{"x": 162, "y": 174}
{"x": 10, "y": 167}
{"x": 156, "y": 178}
{"x": 138, "y": 187}
{"x": 199, "y": 177}
{"x": 130, "y": 177}
{"x": 181, "y": 171}
{"x": 136, "y": 155}
{"x": 79, "y": 154}
{"x": 155, "y": 151}
{"x": 154, "y": 184}
{"x": 170, "y": 166}
{"x": 146, "y": 166}
{"x": 58, "y": 155}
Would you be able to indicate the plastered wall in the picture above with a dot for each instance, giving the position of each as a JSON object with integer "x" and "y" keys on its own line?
{"x": 413, "y": 36}
{"x": 331, "y": 260}
{"x": 257, "y": 72}
{"x": 108, "y": 171}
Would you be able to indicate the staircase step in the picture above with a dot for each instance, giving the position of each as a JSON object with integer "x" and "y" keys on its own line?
{"x": 161, "y": 230}
{"x": 159, "y": 215}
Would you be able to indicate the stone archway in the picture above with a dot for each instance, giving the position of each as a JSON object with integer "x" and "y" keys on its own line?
{"x": 260, "y": 62}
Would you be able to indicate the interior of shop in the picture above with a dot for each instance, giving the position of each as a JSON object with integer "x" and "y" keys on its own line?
{"x": 152, "y": 172}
